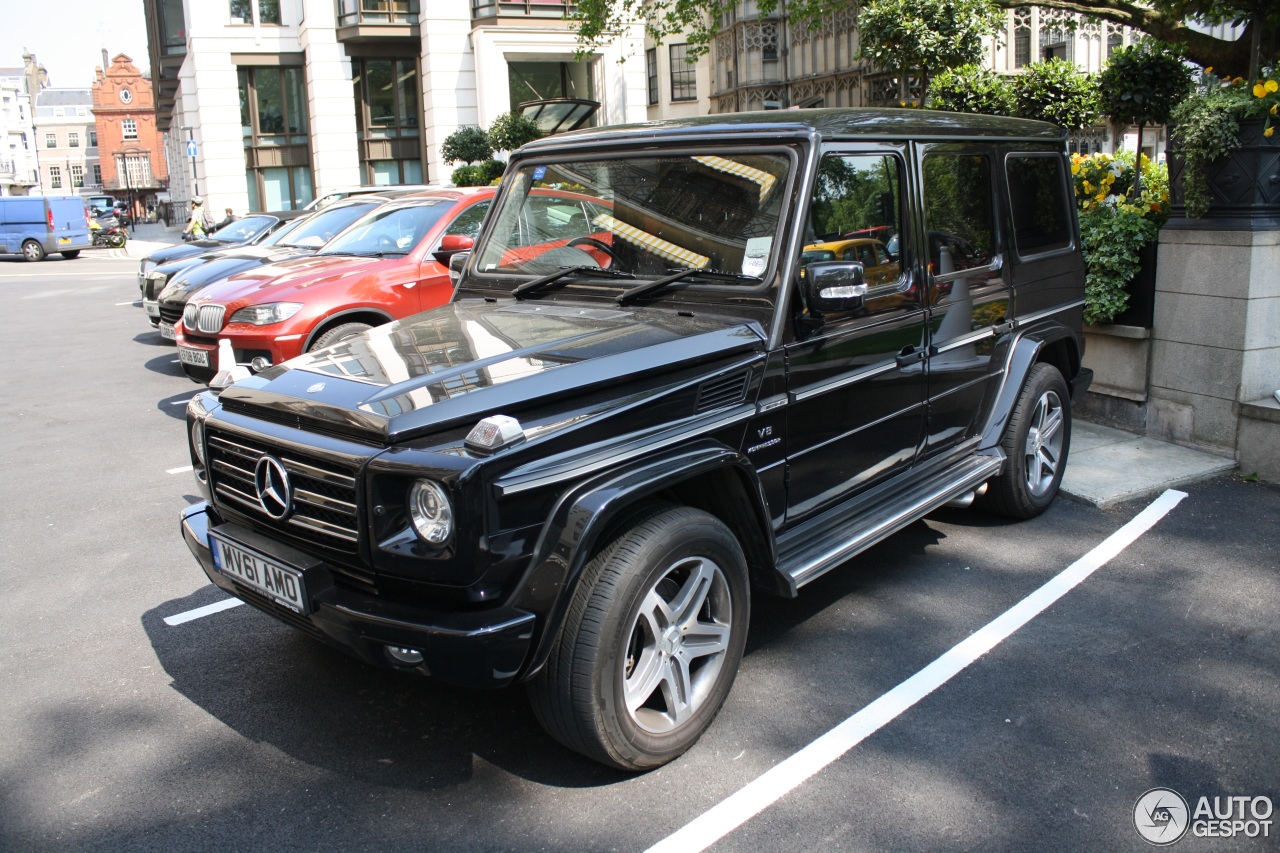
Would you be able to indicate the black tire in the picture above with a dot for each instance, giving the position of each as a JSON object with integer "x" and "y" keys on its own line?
{"x": 32, "y": 251}
{"x": 71, "y": 255}
{"x": 1036, "y": 443}
{"x": 117, "y": 241}
{"x": 338, "y": 333}
{"x": 624, "y": 652}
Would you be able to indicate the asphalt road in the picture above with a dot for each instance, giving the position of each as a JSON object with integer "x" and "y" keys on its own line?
{"x": 234, "y": 732}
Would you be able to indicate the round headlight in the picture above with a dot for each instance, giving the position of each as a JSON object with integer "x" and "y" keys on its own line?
{"x": 431, "y": 512}
{"x": 197, "y": 440}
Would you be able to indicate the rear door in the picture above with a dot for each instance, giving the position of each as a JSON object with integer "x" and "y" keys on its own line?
{"x": 856, "y": 412}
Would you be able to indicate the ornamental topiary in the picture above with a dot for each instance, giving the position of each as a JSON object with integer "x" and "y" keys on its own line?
{"x": 1056, "y": 90}
{"x": 971, "y": 89}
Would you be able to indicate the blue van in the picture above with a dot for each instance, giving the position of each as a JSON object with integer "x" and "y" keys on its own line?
{"x": 34, "y": 226}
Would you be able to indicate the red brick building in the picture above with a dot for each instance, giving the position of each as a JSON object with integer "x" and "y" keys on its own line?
{"x": 130, "y": 148}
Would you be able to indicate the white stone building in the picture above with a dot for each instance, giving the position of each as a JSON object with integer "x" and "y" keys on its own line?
{"x": 286, "y": 99}
{"x": 18, "y": 174}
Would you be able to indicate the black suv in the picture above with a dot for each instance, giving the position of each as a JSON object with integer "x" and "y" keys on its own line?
{"x": 574, "y": 474}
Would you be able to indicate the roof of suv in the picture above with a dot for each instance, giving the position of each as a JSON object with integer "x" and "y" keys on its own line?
{"x": 859, "y": 122}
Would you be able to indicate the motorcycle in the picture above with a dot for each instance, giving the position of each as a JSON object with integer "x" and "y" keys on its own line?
{"x": 107, "y": 232}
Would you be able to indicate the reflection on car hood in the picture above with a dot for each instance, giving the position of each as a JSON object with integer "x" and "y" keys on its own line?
{"x": 465, "y": 360}
{"x": 294, "y": 273}
{"x": 216, "y": 269}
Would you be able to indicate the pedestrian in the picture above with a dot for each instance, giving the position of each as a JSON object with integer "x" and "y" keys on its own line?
{"x": 196, "y": 226}
{"x": 230, "y": 217}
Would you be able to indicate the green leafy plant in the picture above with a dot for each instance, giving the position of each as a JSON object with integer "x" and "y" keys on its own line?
{"x": 1116, "y": 221}
{"x": 972, "y": 89}
{"x": 909, "y": 36}
{"x": 466, "y": 144}
{"x": 511, "y": 130}
{"x": 1141, "y": 85}
{"x": 1056, "y": 90}
{"x": 468, "y": 176}
{"x": 491, "y": 170}
{"x": 1206, "y": 126}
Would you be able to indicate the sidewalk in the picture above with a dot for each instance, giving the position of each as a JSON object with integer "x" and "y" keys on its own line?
{"x": 1107, "y": 466}
{"x": 146, "y": 237}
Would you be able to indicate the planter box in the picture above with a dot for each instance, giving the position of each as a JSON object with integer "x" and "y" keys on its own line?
{"x": 1142, "y": 291}
{"x": 1244, "y": 186}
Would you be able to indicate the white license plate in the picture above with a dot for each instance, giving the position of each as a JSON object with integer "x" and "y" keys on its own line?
{"x": 272, "y": 578}
{"x": 166, "y": 332}
{"x": 193, "y": 357}
{"x": 152, "y": 308}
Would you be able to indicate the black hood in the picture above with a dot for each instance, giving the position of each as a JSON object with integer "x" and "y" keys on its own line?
{"x": 460, "y": 362}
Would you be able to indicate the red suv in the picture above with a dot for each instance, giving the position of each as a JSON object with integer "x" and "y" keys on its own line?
{"x": 387, "y": 265}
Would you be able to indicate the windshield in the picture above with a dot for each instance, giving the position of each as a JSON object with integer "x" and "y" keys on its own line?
{"x": 390, "y": 231}
{"x": 243, "y": 229}
{"x": 325, "y": 225}
{"x": 641, "y": 217}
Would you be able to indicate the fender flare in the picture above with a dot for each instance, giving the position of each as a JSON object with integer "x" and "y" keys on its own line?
{"x": 1025, "y": 351}
{"x": 348, "y": 312}
{"x": 586, "y": 512}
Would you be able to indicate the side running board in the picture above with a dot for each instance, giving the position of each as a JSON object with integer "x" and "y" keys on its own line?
{"x": 832, "y": 541}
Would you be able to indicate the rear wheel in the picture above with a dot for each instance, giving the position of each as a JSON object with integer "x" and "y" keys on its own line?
{"x": 337, "y": 334}
{"x": 71, "y": 255}
{"x": 117, "y": 241}
{"x": 32, "y": 251}
{"x": 651, "y": 643}
{"x": 1036, "y": 443}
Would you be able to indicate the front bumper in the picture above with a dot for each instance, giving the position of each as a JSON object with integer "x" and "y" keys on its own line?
{"x": 476, "y": 649}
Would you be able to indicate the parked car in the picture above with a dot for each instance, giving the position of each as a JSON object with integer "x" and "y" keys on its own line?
{"x": 169, "y": 286}
{"x": 248, "y": 230}
{"x": 390, "y": 264}
{"x": 576, "y": 473}
{"x": 322, "y": 201}
{"x": 34, "y": 226}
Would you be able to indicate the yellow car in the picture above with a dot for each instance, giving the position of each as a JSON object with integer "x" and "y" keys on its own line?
{"x": 872, "y": 254}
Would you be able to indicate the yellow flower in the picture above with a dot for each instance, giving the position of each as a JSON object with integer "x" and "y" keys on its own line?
{"x": 1267, "y": 133}
{"x": 1075, "y": 168}
{"x": 1274, "y": 107}
{"x": 1272, "y": 85}
{"x": 1209, "y": 70}
{"x": 1259, "y": 91}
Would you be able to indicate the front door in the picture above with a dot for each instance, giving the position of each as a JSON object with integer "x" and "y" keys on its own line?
{"x": 856, "y": 381}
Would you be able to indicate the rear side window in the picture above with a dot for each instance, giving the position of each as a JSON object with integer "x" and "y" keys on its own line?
{"x": 959, "y": 211}
{"x": 1039, "y": 201}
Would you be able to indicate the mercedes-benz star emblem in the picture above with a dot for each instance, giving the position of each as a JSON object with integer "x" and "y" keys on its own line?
{"x": 275, "y": 493}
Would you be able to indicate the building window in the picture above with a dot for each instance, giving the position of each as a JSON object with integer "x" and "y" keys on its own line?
{"x": 354, "y": 12}
{"x": 129, "y": 129}
{"x": 387, "y": 98}
{"x": 268, "y": 11}
{"x": 1022, "y": 47}
{"x": 93, "y": 139}
{"x": 51, "y": 140}
{"x": 77, "y": 176}
{"x": 134, "y": 170}
{"x": 55, "y": 177}
{"x": 97, "y": 175}
{"x": 1114, "y": 43}
{"x": 536, "y": 81}
{"x": 684, "y": 84}
{"x": 651, "y": 69}
{"x": 273, "y": 123}
{"x": 73, "y": 139}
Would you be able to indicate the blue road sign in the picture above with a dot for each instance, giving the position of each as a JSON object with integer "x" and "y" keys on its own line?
{"x": 192, "y": 150}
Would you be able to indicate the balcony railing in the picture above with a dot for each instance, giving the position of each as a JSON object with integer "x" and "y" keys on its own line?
{"x": 522, "y": 8}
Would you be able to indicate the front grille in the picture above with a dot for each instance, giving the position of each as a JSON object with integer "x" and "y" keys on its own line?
{"x": 204, "y": 318}
{"x": 172, "y": 316}
{"x": 324, "y": 513}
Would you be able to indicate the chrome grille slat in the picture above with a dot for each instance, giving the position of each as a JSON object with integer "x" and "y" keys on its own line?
{"x": 345, "y": 507}
{"x": 204, "y": 318}
{"x": 318, "y": 526}
{"x": 294, "y": 466}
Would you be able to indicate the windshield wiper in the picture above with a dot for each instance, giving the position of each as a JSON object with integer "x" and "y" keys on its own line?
{"x": 563, "y": 274}
{"x": 658, "y": 284}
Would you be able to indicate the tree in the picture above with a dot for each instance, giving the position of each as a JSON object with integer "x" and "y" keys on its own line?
{"x": 598, "y": 20}
{"x": 1141, "y": 85}
{"x": 511, "y": 130}
{"x": 972, "y": 89}
{"x": 466, "y": 144}
{"x": 919, "y": 35}
{"x": 1055, "y": 90}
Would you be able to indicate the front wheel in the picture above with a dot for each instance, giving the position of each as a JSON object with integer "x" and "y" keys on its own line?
{"x": 117, "y": 241}
{"x": 651, "y": 643}
{"x": 1036, "y": 443}
{"x": 338, "y": 334}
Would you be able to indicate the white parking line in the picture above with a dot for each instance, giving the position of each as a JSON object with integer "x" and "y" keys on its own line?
{"x": 774, "y": 784}
{"x": 134, "y": 302}
{"x": 200, "y": 612}
{"x": 181, "y": 402}
{"x": 184, "y": 469}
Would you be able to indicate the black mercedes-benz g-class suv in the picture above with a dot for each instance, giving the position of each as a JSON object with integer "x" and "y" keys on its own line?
{"x": 684, "y": 360}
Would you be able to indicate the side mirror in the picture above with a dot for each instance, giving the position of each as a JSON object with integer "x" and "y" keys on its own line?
{"x": 456, "y": 264}
{"x": 834, "y": 286}
{"x": 451, "y": 244}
